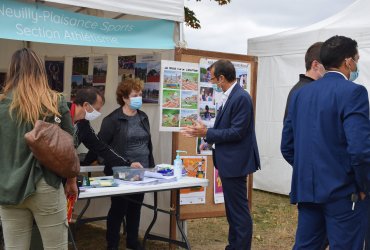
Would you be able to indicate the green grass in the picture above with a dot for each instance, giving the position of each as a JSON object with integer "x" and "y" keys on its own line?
{"x": 274, "y": 223}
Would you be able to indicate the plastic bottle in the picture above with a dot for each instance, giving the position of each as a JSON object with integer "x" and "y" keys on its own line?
{"x": 177, "y": 165}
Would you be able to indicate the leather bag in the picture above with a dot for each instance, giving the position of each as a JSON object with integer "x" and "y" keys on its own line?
{"x": 54, "y": 148}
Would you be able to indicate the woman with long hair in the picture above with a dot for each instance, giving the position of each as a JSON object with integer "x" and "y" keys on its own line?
{"x": 28, "y": 191}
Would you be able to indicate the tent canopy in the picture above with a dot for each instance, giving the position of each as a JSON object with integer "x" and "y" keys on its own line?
{"x": 280, "y": 61}
{"x": 160, "y": 9}
{"x": 353, "y": 22}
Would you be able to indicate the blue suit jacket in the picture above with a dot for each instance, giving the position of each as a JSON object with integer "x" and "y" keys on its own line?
{"x": 233, "y": 134}
{"x": 326, "y": 138}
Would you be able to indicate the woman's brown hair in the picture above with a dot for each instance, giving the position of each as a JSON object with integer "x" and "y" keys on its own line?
{"x": 27, "y": 81}
{"x": 125, "y": 88}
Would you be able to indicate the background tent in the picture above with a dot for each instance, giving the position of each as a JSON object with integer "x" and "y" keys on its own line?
{"x": 280, "y": 61}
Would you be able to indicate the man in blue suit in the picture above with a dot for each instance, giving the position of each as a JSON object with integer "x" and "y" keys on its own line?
{"x": 326, "y": 138}
{"x": 235, "y": 152}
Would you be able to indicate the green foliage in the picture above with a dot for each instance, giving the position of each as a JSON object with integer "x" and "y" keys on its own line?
{"x": 191, "y": 19}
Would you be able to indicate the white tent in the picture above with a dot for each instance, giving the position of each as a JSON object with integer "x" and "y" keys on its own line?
{"x": 280, "y": 60}
{"x": 161, "y": 9}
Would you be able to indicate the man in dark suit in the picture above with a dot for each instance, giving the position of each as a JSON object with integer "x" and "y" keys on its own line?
{"x": 326, "y": 139}
{"x": 235, "y": 152}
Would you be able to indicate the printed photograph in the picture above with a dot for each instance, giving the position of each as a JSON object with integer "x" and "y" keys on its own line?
{"x": 55, "y": 73}
{"x": 205, "y": 75}
{"x": 203, "y": 148}
{"x": 172, "y": 79}
{"x": 170, "y": 117}
{"x": 80, "y": 66}
{"x": 141, "y": 70}
{"x": 189, "y": 81}
{"x": 207, "y": 112}
{"x": 126, "y": 67}
{"x": 171, "y": 98}
{"x": 151, "y": 92}
{"x": 100, "y": 70}
{"x": 153, "y": 72}
{"x": 206, "y": 94}
{"x": 187, "y": 117}
{"x": 189, "y": 99}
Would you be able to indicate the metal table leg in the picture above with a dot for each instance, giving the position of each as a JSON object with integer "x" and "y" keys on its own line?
{"x": 148, "y": 236}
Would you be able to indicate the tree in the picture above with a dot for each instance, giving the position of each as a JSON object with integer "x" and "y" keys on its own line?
{"x": 190, "y": 18}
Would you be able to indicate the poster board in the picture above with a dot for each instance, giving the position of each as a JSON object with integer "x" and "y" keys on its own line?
{"x": 209, "y": 209}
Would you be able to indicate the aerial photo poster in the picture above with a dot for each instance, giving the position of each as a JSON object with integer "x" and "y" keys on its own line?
{"x": 178, "y": 94}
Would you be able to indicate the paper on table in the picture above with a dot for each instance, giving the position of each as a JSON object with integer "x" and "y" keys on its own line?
{"x": 159, "y": 176}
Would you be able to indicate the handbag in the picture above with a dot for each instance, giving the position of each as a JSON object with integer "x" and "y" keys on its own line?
{"x": 53, "y": 148}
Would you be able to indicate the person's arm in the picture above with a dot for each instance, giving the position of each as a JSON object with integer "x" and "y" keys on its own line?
{"x": 151, "y": 158}
{"x": 70, "y": 187}
{"x": 357, "y": 130}
{"x": 98, "y": 146}
{"x": 287, "y": 141}
{"x": 241, "y": 117}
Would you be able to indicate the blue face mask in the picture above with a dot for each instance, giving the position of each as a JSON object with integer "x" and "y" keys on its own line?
{"x": 136, "y": 102}
{"x": 354, "y": 74}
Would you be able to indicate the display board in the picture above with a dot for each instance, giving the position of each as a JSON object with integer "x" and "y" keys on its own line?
{"x": 210, "y": 209}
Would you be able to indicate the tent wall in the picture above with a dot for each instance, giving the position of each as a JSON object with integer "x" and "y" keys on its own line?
{"x": 280, "y": 61}
{"x": 162, "y": 141}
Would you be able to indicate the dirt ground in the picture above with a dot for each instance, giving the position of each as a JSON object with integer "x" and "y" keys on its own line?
{"x": 274, "y": 222}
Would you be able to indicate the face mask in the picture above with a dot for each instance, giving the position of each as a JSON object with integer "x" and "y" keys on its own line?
{"x": 323, "y": 71}
{"x": 354, "y": 74}
{"x": 136, "y": 102}
{"x": 90, "y": 116}
{"x": 218, "y": 89}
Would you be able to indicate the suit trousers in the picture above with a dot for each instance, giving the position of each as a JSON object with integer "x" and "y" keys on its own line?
{"x": 122, "y": 208}
{"x": 344, "y": 227}
{"x": 48, "y": 207}
{"x": 237, "y": 213}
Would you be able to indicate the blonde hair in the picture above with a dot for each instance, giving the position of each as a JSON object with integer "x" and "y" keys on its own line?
{"x": 33, "y": 99}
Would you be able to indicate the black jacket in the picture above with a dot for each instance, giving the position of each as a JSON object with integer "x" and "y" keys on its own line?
{"x": 113, "y": 132}
{"x": 85, "y": 134}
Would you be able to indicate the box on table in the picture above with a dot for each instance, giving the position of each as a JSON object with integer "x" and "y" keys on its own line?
{"x": 128, "y": 173}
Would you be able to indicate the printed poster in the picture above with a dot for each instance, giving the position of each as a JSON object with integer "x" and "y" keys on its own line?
{"x": 80, "y": 66}
{"x": 178, "y": 95}
{"x": 217, "y": 188}
{"x": 126, "y": 67}
{"x": 203, "y": 148}
{"x": 195, "y": 166}
{"x": 80, "y": 75}
{"x": 100, "y": 73}
{"x": 147, "y": 68}
{"x": 55, "y": 74}
{"x": 210, "y": 96}
{"x": 152, "y": 63}
{"x": 79, "y": 82}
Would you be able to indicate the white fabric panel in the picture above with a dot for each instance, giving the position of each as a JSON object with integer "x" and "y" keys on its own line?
{"x": 161, "y": 9}
{"x": 280, "y": 61}
{"x": 354, "y": 22}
